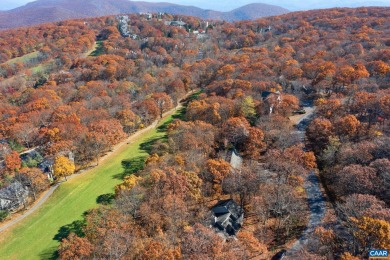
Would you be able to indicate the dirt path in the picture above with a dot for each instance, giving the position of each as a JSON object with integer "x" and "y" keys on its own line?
{"x": 48, "y": 193}
{"x": 315, "y": 198}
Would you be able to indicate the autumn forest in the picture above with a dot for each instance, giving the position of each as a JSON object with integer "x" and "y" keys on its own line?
{"x": 268, "y": 113}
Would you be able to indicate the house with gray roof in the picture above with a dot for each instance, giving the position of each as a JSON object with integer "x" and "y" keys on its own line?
{"x": 228, "y": 217}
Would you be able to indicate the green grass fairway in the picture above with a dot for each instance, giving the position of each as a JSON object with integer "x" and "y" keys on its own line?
{"x": 98, "y": 49}
{"x": 34, "y": 237}
{"x": 24, "y": 58}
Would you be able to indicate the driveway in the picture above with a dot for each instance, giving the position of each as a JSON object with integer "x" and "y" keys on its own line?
{"x": 315, "y": 198}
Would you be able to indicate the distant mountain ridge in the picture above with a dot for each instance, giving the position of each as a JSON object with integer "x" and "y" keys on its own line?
{"x": 42, "y": 11}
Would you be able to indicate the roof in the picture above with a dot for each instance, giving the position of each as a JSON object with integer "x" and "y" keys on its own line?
{"x": 235, "y": 160}
{"x": 224, "y": 203}
{"x": 228, "y": 216}
{"x": 266, "y": 94}
{"x": 222, "y": 219}
{"x": 178, "y": 23}
{"x": 220, "y": 210}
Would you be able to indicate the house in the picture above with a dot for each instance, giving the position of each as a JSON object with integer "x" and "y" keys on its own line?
{"x": 272, "y": 99}
{"x": 228, "y": 216}
{"x": 202, "y": 36}
{"x": 269, "y": 94}
{"x": 148, "y": 16}
{"x": 176, "y": 23}
{"x": 124, "y": 18}
{"x": 124, "y": 26}
{"x": 47, "y": 167}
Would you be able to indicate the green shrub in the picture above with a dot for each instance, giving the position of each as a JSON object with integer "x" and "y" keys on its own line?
{"x": 33, "y": 161}
{"x": 14, "y": 145}
{"x": 3, "y": 215}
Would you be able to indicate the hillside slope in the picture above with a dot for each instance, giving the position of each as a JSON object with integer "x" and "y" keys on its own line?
{"x": 43, "y": 11}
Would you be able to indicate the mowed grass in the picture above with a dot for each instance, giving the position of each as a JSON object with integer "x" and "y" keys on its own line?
{"x": 24, "y": 58}
{"x": 41, "y": 68}
{"x": 98, "y": 49}
{"x": 34, "y": 237}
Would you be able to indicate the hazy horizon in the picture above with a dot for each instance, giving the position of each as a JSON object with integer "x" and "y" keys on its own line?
{"x": 228, "y": 5}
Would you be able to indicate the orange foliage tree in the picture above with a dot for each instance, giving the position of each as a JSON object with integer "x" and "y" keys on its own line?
{"x": 12, "y": 162}
{"x": 74, "y": 247}
{"x": 219, "y": 169}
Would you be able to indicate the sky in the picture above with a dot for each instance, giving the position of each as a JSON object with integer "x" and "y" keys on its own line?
{"x": 227, "y": 5}
{"x": 9, "y": 4}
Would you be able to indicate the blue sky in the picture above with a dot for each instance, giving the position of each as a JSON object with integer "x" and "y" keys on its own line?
{"x": 7, "y": 4}
{"x": 227, "y": 5}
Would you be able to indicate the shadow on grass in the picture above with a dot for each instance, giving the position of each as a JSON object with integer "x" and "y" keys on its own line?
{"x": 49, "y": 254}
{"x": 147, "y": 145}
{"x": 105, "y": 199}
{"x": 99, "y": 49}
{"x": 180, "y": 114}
{"x": 164, "y": 127}
{"x": 192, "y": 97}
{"x": 131, "y": 166}
{"x": 74, "y": 227}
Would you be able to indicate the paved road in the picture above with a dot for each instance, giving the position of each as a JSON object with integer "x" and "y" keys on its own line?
{"x": 49, "y": 192}
{"x": 315, "y": 198}
{"x": 317, "y": 208}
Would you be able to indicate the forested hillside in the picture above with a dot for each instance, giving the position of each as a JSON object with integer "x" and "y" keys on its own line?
{"x": 249, "y": 78}
{"x": 43, "y": 11}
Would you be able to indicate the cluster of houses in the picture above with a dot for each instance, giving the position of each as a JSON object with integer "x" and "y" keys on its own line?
{"x": 16, "y": 194}
{"x": 124, "y": 29}
{"x": 227, "y": 216}
{"x": 148, "y": 16}
{"x": 123, "y": 25}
